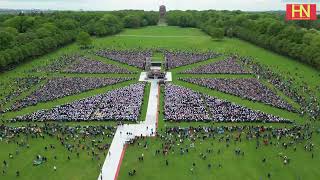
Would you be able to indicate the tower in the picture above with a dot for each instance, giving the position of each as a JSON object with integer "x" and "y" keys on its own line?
{"x": 162, "y": 11}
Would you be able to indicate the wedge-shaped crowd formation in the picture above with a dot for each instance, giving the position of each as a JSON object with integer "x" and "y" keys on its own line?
{"x": 135, "y": 58}
{"x": 183, "y": 104}
{"x": 179, "y": 58}
{"x": 224, "y": 111}
{"x": 81, "y": 64}
{"x": 19, "y": 86}
{"x": 86, "y": 65}
{"x": 64, "y": 86}
{"x": 119, "y": 104}
{"x": 246, "y": 88}
{"x": 227, "y": 66}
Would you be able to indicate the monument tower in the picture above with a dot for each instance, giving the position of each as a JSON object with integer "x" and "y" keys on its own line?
{"x": 162, "y": 11}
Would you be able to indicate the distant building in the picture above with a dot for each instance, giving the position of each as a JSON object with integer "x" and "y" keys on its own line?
{"x": 162, "y": 11}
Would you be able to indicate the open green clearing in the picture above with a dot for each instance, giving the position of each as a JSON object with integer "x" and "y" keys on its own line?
{"x": 249, "y": 166}
{"x": 171, "y": 38}
{"x": 83, "y": 166}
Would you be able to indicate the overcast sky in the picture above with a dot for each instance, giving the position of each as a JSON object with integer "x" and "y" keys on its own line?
{"x": 248, "y": 5}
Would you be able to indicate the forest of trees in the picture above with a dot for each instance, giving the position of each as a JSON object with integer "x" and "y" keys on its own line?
{"x": 24, "y": 37}
{"x": 297, "y": 39}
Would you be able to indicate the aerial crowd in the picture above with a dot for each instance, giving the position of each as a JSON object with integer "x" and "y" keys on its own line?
{"x": 175, "y": 59}
{"x": 247, "y": 88}
{"x": 183, "y": 104}
{"x": 302, "y": 94}
{"x": 119, "y": 104}
{"x": 226, "y": 66}
{"x": 59, "y": 87}
{"x": 80, "y": 64}
{"x": 135, "y": 58}
{"x": 198, "y": 143}
{"x": 17, "y": 87}
{"x": 78, "y": 141}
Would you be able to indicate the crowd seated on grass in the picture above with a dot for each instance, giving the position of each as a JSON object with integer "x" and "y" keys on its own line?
{"x": 135, "y": 58}
{"x": 119, "y": 104}
{"x": 58, "y": 64}
{"x": 92, "y": 141}
{"x": 302, "y": 93}
{"x": 81, "y": 64}
{"x": 224, "y": 111}
{"x": 65, "y": 86}
{"x": 183, "y": 104}
{"x": 86, "y": 65}
{"x": 181, "y": 58}
{"x": 183, "y": 141}
{"x": 227, "y": 66}
{"x": 16, "y": 87}
{"x": 247, "y": 88}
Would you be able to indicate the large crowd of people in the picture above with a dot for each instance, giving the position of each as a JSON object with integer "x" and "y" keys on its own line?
{"x": 224, "y": 111}
{"x": 86, "y": 65}
{"x": 119, "y": 104}
{"x": 175, "y": 59}
{"x": 183, "y": 104}
{"x": 57, "y": 65}
{"x": 208, "y": 146}
{"x": 135, "y": 58}
{"x": 247, "y": 88}
{"x": 302, "y": 93}
{"x": 13, "y": 89}
{"x": 81, "y": 64}
{"x": 78, "y": 141}
{"x": 227, "y": 66}
{"x": 64, "y": 86}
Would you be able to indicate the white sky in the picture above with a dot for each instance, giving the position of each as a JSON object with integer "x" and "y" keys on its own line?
{"x": 248, "y": 5}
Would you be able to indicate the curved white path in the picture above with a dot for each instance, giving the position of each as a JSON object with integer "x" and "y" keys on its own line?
{"x": 111, "y": 166}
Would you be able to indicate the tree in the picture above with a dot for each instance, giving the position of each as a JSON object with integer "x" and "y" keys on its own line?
{"x": 6, "y": 40}
{"x": 21, "y": 23}
{"x": 68, "y": 24}
{"x": 217, "y": 33}
{"x": 132, "y": 21}
{"x": 84, "y": 40}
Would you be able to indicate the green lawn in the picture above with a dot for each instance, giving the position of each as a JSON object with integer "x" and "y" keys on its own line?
{"x": 82, "y": 167}
{"x": 170, "y": 38}
{"x": 249, "y": 166}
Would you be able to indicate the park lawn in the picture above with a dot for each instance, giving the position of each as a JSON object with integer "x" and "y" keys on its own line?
{"x": 194, "y": 39}
{"x": 82, "y": 167}
{"x": 247, "y": 167}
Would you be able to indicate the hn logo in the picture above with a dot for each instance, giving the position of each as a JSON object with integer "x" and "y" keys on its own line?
{"x": 301, "y": 12}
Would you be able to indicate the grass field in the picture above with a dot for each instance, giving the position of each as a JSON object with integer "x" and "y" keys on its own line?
{"x": 249, "y": 166}
{"x": 171, "y": 38}
{"x": 82, "y": 167}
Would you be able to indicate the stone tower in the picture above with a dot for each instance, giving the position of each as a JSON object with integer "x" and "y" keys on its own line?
{"x": 162, "y": 11}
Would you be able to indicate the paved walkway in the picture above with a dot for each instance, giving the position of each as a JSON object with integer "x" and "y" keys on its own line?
{"x": 111, "y": 166}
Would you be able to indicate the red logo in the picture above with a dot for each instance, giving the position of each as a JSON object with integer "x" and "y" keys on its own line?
{"x": 301, "y": 12}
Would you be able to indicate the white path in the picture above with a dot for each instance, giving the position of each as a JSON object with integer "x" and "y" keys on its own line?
{"x": 145, "y": 128}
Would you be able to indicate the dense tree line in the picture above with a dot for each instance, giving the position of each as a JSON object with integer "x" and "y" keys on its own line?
{"x": 26, "y": 36}
{"x": 297, "y": 39}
